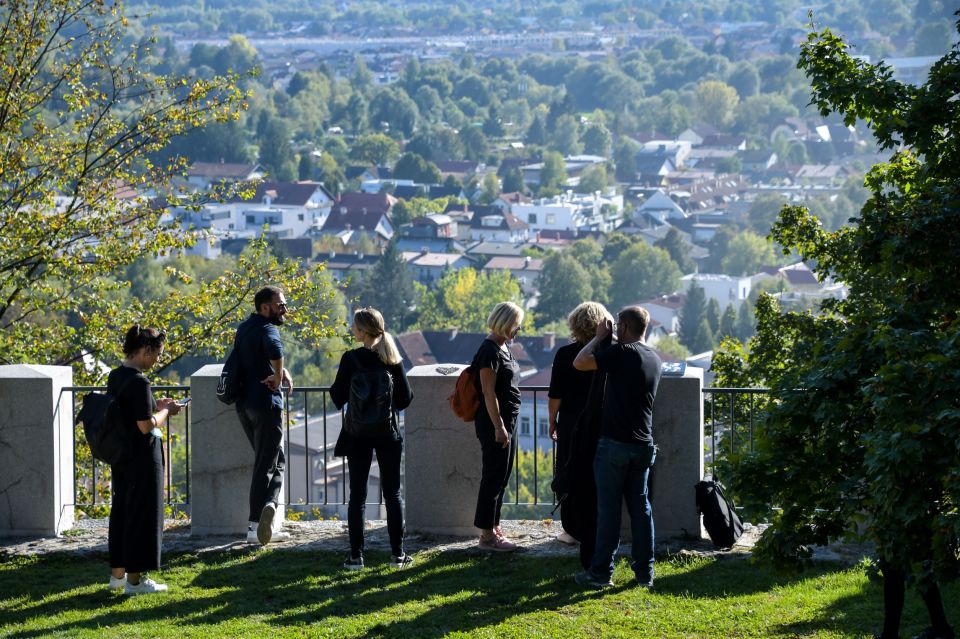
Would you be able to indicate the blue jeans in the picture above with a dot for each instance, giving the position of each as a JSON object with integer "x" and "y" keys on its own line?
{"x": 621, "y": 471}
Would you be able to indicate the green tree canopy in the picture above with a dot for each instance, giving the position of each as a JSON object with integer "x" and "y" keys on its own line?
{"x": 375, "y": 148}
{"x": 694, "y": 330}
{"x": 463, "y": 299}
{"x": 866, "y": 420}
{"x": 78, "y": 121}
{"x": 642, "y": 272}
{"x": 747, "y": 252}
{"x": 563, "y": 284}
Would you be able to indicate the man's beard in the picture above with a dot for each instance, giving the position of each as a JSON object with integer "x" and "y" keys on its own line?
{"x": 276, "y": 319}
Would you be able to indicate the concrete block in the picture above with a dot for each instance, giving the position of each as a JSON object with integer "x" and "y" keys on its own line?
{"x": 36, "y": 450}
{"x": 221, "y": 461}
{"x": 442, "y": 456}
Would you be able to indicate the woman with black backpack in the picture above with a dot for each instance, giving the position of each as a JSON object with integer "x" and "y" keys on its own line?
{"x": 372, "y": 384}
{"x": 136, "y": 513}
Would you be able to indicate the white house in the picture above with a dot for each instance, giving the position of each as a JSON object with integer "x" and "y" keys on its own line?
{"x": 570, "y": 212}
{"x": 725, "y": 289}
{"x": 525, "y": 270}
{"x": 660, "y": 207}
{"x": 291, "y": 209}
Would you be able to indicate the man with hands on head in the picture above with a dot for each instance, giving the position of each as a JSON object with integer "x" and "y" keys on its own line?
{"x": 260, "y": 406}
{"x": 625, "y": 452}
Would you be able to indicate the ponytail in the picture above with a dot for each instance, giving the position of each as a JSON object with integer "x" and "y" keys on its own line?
{"x": 386, "y": 348}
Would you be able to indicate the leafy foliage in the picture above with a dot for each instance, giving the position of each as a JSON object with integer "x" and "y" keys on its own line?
{"x": 865, "y": 425}
{"x": 79, "y": 122}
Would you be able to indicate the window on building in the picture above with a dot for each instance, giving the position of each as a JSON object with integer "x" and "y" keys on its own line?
{"x": 551, "y": 218}
{"x": 532, "y": 218}
{"x": 300, "y": 217}
{"x": 251, "y": 219}
{"x": 542, "y": 427}
{"x": 525, "y": 426}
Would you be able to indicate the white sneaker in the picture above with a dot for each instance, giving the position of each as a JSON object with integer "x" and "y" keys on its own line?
{"x": 265, "y": 527}
{"x": 279, "y": 535}
{"x": 252, "y": 537}
{"x": 117, "y": 584}
{"x": 145, "y": 586}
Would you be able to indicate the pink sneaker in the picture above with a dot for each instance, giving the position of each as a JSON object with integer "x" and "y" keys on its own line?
{"x": 497, "y": 544}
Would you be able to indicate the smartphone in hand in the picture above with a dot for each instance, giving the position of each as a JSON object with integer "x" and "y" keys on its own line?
{"x": 183, "y": 402}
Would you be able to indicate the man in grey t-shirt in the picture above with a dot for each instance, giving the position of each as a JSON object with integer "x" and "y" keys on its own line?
{"x": 626, "y": 451}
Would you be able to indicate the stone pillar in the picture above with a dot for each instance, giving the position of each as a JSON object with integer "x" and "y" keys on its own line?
{"x": 678, "y": 431}
{"x": 442, "y": 456}
{"x": 36, "y": 450}
{"x": 221, "y": 461}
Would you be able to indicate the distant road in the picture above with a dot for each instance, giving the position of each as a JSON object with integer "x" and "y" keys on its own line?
{"x": 477, "y": 41}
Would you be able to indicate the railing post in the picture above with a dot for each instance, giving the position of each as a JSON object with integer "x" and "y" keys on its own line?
{"x": 442, "y": 456}
{"x": 221, "y": 461}
{"x": 36, "y": 450}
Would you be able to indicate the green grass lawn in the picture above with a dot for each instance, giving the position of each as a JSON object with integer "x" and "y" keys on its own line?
{"x": 268, "y": 593}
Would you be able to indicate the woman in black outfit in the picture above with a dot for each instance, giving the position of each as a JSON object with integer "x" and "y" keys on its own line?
{"x": 569, "y": 389}
{"x": 496, "y": 421}
{"x": 136, "y": 516}
{"x": 378, "y": 353}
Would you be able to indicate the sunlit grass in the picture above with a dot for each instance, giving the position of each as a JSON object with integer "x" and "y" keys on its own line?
{"x": 268, "y": 593}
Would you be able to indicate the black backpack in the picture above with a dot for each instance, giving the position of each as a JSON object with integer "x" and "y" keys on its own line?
{"x": 370, "y": 407}
{"x": 230, "y": 384}
{"x": 103, "y": 426}
{"x": 719, "y": 516}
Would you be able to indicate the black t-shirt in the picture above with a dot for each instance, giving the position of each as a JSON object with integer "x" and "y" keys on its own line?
{"x": 136, "y": 401}
{"x": 568, "y": 384}
{"x": 363, "y": 358}
{"x": 507, "y": 388}
{"x": 633, "y": 374}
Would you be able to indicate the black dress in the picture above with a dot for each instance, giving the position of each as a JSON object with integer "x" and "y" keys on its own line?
{"x": 136, "y": 515}
{"x": 571, "y": 387}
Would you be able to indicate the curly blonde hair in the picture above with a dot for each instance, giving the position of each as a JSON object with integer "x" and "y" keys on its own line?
{"x": 584, "y": 319}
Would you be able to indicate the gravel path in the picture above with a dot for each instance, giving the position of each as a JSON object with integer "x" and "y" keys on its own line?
{"x": 537, "y": 538}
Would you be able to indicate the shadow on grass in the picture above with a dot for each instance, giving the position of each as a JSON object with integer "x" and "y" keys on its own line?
{"x": 439, "y": 594}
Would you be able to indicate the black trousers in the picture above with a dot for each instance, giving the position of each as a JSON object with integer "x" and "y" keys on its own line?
{"x": 136, "y": 516}
{"x": 264, "y": 429}
{"x": 389, "y": 451}
{"x": 497, "y": 464}
{"x": 894, "y": 589}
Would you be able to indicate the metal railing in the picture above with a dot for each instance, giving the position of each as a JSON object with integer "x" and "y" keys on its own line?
{"x": 729, "y": 416}
{"x": 729, "y": 420}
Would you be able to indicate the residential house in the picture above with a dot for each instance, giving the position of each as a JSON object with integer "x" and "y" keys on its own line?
{"x": 491, "y": 224}
{"x": 525, "y": 270}
{"x": 725, "y": 289}
{"x": 202, "y": 175}
{"x": 821, "y": 175}
{"x": 463, "y": 170}
{"x": 427, "y": 267}
{"x": 348, "y": 266}
{"x": 757, "y": 161}
{"x": 697, "y": 133}
{"x": 289, "y": 209}
{"x": 571, "y": 212}
{"x": 665, "y": 310}
{"x": 660, "y": 207}
{"x": 360, "y": 213}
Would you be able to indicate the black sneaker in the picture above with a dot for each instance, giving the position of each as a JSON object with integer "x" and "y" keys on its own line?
{"x": 353, "y": 563}
{"x": 401, "y": 561}
{"x": 584, "y": 578}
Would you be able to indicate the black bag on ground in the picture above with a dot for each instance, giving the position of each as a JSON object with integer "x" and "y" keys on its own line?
{"x": 370, "y": 406}
{"x": 719, "y": 516}
{"x": 103, "y": 426}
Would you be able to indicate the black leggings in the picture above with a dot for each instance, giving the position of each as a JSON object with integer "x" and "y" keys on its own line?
{"x": 389, "y": 452}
